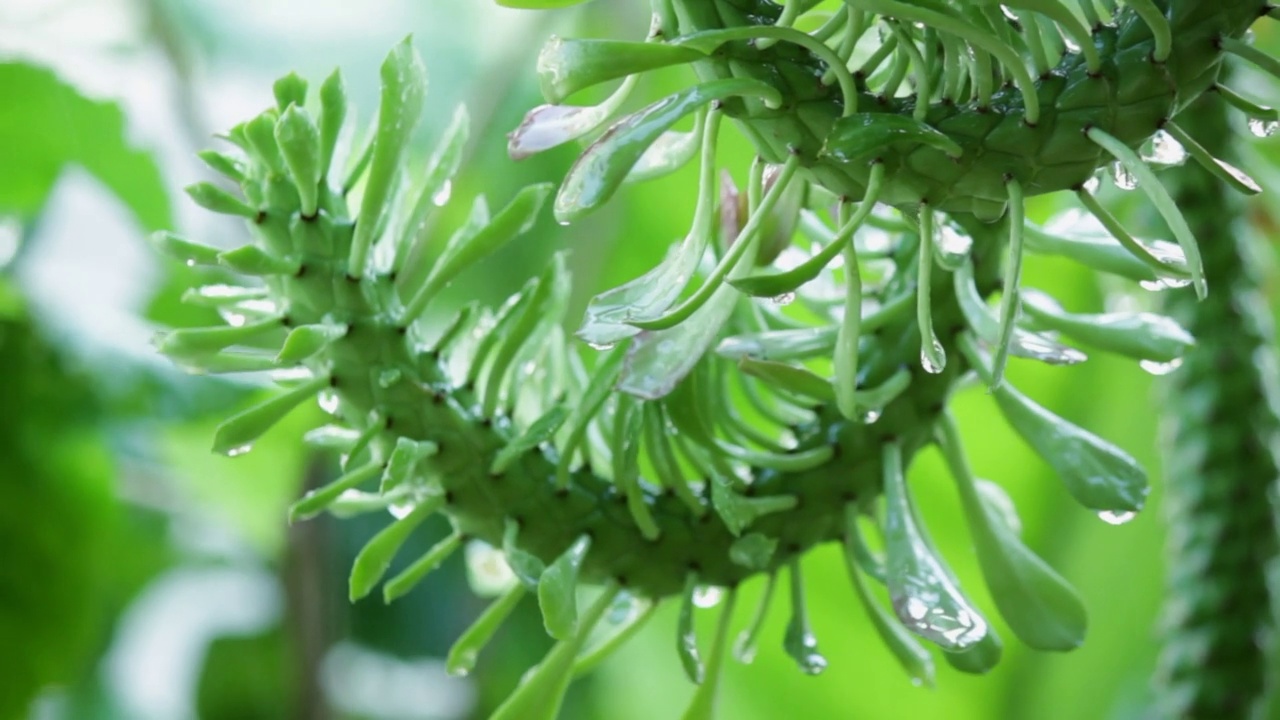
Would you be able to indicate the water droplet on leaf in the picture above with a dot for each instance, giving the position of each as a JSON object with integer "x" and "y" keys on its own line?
{"x": 1160, "y": 368}
{"x": 1263, "y": 128}
{"x": 1123, "y": 179}
{"x": 706, "y": 596}
{"x": 1116, "y": 518}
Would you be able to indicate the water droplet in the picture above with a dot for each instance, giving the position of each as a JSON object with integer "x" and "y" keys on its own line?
{"x": 191, "y": 263}
{"x": 601, "y": 346}
{"x": 1112, "y": 517}
{"x": 744, "y": 650}
{"x": 329, "y": 402}
{"x": 952, "y": 247}
{"x": 242, "y": 449}
{"x": 563, "y": 223}
{"x": 784, "y": 299}
{"x": 1123, "y": 179}
{"x": 1163, "y": 149}
{"x": 1072, "y": 46}
{"x": 388, "y": 377}
{"x": 1091, "y": 185}
{"x": 870, "y": 417}
{"x": 1263, "y": 128}
{"x": 1159, "y": 368}
{"x": 487, "y": 569}
{"x": 707, "y": 596}
{"x": 928, "y": 362}
{"x": 442, "y": 195}
{"x": 400, "y": 510}
{"x": 234, "y": 319}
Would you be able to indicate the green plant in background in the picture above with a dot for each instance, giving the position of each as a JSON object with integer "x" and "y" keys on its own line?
{"x": 713, "y": 436}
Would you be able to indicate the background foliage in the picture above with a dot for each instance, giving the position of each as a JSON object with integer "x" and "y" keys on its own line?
{"x": 144, "y": 577}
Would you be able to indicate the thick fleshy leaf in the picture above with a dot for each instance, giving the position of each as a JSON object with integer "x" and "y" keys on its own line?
{"x": 549, "y": 126}
{"x": 236, "y": 435}
{"x": 567, "y": 65}
{"x": 480, "y": 239}
{"x": 791, "y": 378}
{"x": 860, "y": 135}
{"x": 980, "y": 318}
{"x": 307, "y": 340}
{"x": 1041, "y": 607}
{"x": 924, "y": 594}
{"x": 376, "y": 556}
{"x": 603, "y": 167}
{"x": 1080, "y": 237}
{"x": 539, "y": 432}
{"x": 333, "y": 111}
{"x": 253, "y": 260}
{"x": 404, "y": 582}
{"x": 541, "y": 690}
{"x": 687, "y": 636}
{"x": 913, "y": 657}
{"x": 462, "y": 656}
{"x": 1098, "y": 475}
{"x": 299, "y": 141}
{"x": 1141, "y": 335}
{"x": 558, "y": 590}
{"x": 703, "y": 704}
{"x": 315, "y": 501}
{"x": 799, "y": 641}
{"x": 780, "y": 345}
{"x": 979, "y": 659}
{"x": 670, "y": 152}
{"x": 213, "y": 198}
{"x": 737, "y": 510}
{"x": 404, "y": 88}
{"x": 525, "y": 565}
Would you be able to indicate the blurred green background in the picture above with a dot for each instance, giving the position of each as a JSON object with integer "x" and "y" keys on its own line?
{"x": 143, "y": 577}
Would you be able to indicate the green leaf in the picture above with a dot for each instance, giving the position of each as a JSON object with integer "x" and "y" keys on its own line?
{"x": 703, "y": 704}
{"x": 253, "y": 260}
{"x": 791, "y": 378}
{"x": 236, "y": 435}
{"x": 299, "y": 141}
{"x": 213, "y": 198}
{"x": 46, "y": 125}
{"x": 415, "y": 573}
{"x": 463, "y": 654}
{"x": 861, "y": 135}
{"x": 558, "y": 590}
{"x": 183, "y": 250}
{"x": 1141, "y": 335}
{"x": 541, "y": 691}
{"x": 753, "y": 551}
{"x": 539, "y": 432}
{"x": 307, "y": 340}
{"x": 526, "y": 566}
{"x": 376, "y": 556}
{"x": 603, "y": 167}
{"x": 404, "y": 88}
{"x": 1042, "y": 608}
{"x": 799, "y": 641}
{"x": 739, "y": 511}
{"x": 566, "y": 66}
{"x": 923, "y": 591}
{"x": 979, "y": 659}
{"x": 687, "y": 636}
{"x": 911, "y": 655}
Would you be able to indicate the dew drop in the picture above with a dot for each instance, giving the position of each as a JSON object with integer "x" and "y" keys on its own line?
{"x": 563, "y": 223}
{"x": 400, "y": 510}
{"x": 192, "y": 263}
{"x": 927, "y": 361}
{"x": 601, "y": 346}
{"x": 744, "y": 650}
{"x": 240, "y": 450}
{"x": 1163, "y": 149}
{"x": 1123, "y": 179}
{"x": 234, "y": 319}
{"x": 442, "y": 195}
{"x": 1112, "y": 517}
{"x": 707, "y": 596}
{"x": 784, "y": 299}
{"x": 870, "y": 417}
{"x": 1160, "y": 368}
{"x": 1072, "y": 45}
{"x": 329, "y": 402}
{"x": 1263, "y": 128}
{"x": 1091, "y": 185}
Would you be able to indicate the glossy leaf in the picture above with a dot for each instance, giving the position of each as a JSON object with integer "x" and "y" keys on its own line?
{"x": 739, "y": 511}
{"x": 462, "y": 656}
{"x": 924, "y": 594}
{"x": 307, "y": 340}
{"x": 799, "y": 641}
{"x": 542, "y": 689}
{"x": 539, "y": 432}
{"x": 1041, "y": 607}
{"x": 558, "y": 588}
{"x": 404, "y": 88}
{"x": 603, "y": 167}
{"x": 687, "y": 636}
{"x": 1140, "y": 335}
{"x": 567, "y": 65}
{"x": 791, "y": 378}
{"x": 703, "y": 704}
{"x": 376, "y": 556}
{"x": 315, "y": 501}
{"x": 860, "y": 135}
{"x": 753, "y": 551}
{"x": 911, "y": 655}
{"x": 401, "y": 584}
